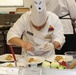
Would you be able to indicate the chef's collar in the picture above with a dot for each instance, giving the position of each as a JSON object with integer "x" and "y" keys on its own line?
{"x": 40, "y": 26}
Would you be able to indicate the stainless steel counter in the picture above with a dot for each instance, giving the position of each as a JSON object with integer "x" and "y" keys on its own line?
{"x": 32, "y": 71}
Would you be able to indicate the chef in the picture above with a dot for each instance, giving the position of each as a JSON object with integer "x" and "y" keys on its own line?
{"x": 42, "y": 31}
{"x": 65, "y": 9}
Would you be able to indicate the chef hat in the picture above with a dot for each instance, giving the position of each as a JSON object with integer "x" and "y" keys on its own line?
{"x": 38, "y": 12}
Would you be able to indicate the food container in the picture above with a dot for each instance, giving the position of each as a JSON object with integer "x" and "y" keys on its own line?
{"x": 71, "y": 53}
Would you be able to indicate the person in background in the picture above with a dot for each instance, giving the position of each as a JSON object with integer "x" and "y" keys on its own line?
{"x": 66, "y": 10}
{"x": 42, "y": 31}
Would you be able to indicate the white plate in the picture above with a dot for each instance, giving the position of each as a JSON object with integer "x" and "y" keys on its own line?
{"x": 13, "y": 64}
{"x": 5, "y": 64}
{"x": 65, "y": 58}
{"x": 3, "y": 57}
{"x": 38, "y": 59}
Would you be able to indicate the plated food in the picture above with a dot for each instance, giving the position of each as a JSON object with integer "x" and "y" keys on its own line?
{"x": 9, "y": 65}
{"x": 8, "y": 57}
{"x": 31, "y": 60}
{"x": 59, "y": 58}
{"x": 54, "y": 64}
{"x": 57, "y": 61}
{"x": 35, "y": 59}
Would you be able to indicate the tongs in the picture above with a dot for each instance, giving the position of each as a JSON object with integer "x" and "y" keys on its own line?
{"x": 12, "y": 51}
{"x": 72, "y": 65}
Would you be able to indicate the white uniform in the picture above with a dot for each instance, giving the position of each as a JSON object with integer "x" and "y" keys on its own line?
{"x": 53, "y": 31}
{"x": 61, "y": 8}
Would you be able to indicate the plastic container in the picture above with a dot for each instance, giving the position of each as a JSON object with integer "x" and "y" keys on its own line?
{"x": 71, "y": 53}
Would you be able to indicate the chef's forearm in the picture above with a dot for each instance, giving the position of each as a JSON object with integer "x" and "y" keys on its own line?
{"x": 15, "y": 41}
{"x": 24, "y": 44}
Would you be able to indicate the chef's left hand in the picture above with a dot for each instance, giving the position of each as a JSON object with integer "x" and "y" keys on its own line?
{"x": 46, "y": 46}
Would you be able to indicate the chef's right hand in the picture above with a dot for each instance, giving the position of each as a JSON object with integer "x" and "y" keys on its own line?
{"x": 46, "y": 46}
{"x": 27, "y": 46}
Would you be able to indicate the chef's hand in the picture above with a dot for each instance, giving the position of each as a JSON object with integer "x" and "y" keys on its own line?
{"x": 27, "y": 46}
{"x": 46, "y": 46}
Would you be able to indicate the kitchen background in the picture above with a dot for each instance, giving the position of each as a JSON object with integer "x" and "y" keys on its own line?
{"x": 6, "y": 21}
{"x": 6, "y": 9}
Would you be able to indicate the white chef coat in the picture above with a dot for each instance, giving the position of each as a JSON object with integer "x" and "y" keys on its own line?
{"x": 61, "y": 8}
{"x": 23, "y": 26}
